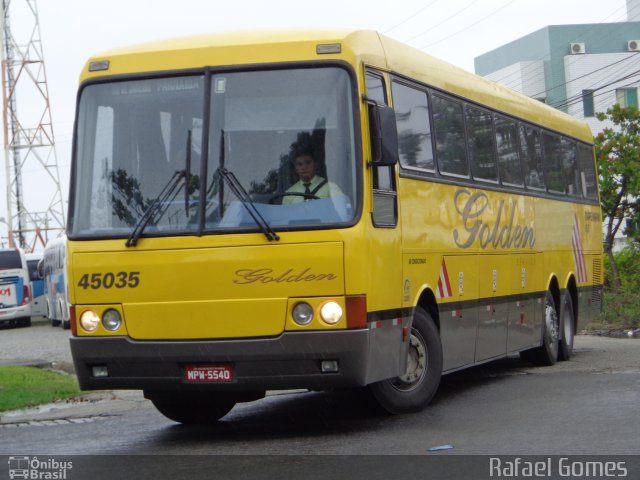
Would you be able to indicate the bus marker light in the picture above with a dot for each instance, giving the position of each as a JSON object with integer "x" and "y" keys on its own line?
{"x": 72, "y": 320}
{"x": 89, "y": 320}
{"x": 99, "y": 66}
{"x": 100, "y": 371}
{"x": 331, "y": 313}
{"x": 111, "y": 320}
{"x": 302, "y": 313}
{"x": 327, "y": 48}
{"x": 330, "y": 366}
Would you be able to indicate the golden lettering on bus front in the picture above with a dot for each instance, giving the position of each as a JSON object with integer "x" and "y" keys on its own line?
{"x": 500, "y": 231}
{"x": 246, "y": 276}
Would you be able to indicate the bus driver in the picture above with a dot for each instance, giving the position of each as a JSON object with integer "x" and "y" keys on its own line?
{"x": 310, "y": 186}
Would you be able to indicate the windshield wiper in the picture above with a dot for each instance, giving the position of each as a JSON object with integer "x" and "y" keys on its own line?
{"x": 239, "y": 191}
{"x": 159, "y": 205}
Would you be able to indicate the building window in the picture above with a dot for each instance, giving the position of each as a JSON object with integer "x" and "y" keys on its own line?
{"x": 587, "y": 103}
{"x": 627, "y": 97}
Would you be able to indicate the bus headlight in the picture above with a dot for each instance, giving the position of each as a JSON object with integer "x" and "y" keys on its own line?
{"x": 111, "y": 320}
{"x": 89, "y": 320}
{"x": 331, "y": 313}
{"x": 302, "y": 313}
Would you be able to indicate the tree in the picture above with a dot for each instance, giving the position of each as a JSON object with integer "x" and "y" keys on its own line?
{"x": 618, "y": 157}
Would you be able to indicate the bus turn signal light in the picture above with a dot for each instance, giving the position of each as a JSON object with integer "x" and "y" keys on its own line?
{"x": 356, "y": 311}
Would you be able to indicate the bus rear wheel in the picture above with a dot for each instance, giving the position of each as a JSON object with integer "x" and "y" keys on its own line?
{"x": 547, "y": 353}
{"x": 567, "y": 327}
{"x": 413, "y": 390}
{"x": 191, "y": 408}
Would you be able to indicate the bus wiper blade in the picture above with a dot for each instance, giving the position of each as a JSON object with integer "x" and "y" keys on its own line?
{"x": 157, "y": 206}
{"x": 240, "y": 192}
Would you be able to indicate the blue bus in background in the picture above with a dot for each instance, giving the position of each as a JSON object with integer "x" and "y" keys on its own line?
{"x": 54, "y": 269}
{"x": 38, "y": 299}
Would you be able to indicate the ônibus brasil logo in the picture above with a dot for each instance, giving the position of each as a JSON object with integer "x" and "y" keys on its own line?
{"x": 37, "y": 469}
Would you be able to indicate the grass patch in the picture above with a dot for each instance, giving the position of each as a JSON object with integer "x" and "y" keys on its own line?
{"x": 22, "y": 387}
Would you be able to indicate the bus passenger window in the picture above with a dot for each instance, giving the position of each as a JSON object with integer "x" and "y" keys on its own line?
{"x": 414, "y": 129}
{"x": 448, "y": 124}
{"x": 480, "y": 142}
{"x": 553, "y": 162}
{"x": 587, "y": 172}
{"x": 531, "y": 154}
{"x": 573, "y": 185}
{"x": 507, "y": 146}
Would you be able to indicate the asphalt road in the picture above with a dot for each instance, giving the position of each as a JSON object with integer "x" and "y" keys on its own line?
{"x": 586, "y": 406}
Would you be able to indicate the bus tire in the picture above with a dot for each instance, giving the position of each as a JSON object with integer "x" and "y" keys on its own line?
{"x": 567, "y": 327}
{"x": 547, "y": 353}
{"x": 191, "y": 408}
{"x": 413, "y": 391}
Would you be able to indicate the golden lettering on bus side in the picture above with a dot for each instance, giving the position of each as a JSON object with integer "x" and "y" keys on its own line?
{"x": 247, "y": 276}
{"x": 470, "y": 207}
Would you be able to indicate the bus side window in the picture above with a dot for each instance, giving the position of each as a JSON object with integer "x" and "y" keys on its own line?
{"x": 385, "y": 207}
{"x": 572, "y": 182}
{"x": 531, "y": 154}
{"x": 448, "y": 124}
{"x": 414, "y": 128}
{"x": 508, "y": 156}
{"x": 552, "y": 148}
{"x": 480, "y": 142}
{"x": 587, "y": 172}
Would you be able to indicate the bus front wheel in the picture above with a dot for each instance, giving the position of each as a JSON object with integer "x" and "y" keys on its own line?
{"x": 191, "y": 408}
{"x": 413, "y": 390}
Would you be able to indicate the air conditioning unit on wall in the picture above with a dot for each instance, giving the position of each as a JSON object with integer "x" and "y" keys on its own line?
{"x": 578, "y": 48}
{"x": 633, "y": 45}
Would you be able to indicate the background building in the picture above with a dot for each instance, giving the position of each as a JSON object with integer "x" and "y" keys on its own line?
{"x": 580, "y": 69}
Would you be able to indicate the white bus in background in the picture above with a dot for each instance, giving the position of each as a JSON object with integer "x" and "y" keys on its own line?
{"x": 54, "y": 269}
{"x": 38, "y": 299}
{"x": 15, "y": 289}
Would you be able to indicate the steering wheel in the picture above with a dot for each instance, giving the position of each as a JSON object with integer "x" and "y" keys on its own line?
{"x": 307, "y": 196}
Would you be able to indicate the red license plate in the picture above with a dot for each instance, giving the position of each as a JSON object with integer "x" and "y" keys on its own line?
{"x": 208, "y": 374}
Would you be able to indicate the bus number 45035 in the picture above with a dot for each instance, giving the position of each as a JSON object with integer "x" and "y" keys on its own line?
{"x": 96, "y": 281}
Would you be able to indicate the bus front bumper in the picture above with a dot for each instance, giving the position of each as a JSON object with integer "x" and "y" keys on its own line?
{"x": 292, "y": 360}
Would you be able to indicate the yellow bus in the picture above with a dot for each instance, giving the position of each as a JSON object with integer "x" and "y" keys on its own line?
{"x": 318, "y": 209}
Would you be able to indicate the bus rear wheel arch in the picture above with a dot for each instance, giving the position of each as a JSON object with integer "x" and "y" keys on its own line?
{"x": 413, "y": 390}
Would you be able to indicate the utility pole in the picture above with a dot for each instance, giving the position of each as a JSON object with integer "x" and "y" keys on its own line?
{"x": 35, "y": 210}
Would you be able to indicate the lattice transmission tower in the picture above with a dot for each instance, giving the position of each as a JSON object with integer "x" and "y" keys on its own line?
{"x": 34, "y": 206}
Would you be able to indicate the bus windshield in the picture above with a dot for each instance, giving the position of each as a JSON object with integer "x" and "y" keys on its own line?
{"x": 150, "y": 153}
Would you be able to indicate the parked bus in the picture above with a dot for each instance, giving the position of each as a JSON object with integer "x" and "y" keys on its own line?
{"x": 54, "y": 266}
{"x": 15, "y": 290}
{"x": 450, "y": 221}
{"x": 36, "y": 279}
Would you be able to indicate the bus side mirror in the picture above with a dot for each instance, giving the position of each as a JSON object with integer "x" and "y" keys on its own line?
{"x": 384, "y": 135}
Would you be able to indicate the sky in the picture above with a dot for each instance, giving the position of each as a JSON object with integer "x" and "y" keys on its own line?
{"x": 453, "y": 30}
